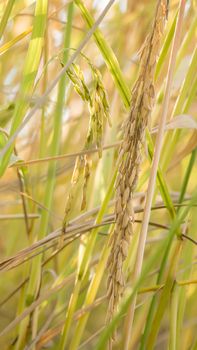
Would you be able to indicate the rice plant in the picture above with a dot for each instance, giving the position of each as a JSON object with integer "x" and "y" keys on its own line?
{"x": 98, "y": 174}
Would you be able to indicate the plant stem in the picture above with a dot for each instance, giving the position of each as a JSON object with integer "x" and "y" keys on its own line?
{"x": 181, "y": 106}
{"x": 147, "y": 267}
{"x": 187, "y": 176}
{"x": 84, "y": 265}
{"x": 173, "y": 317}
{"x": 108, "y": 55}
{"x": 6, "y": 16}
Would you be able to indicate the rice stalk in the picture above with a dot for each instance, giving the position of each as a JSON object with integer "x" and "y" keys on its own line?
{"x": 76, "y": 227}
{"x": 84, "y": 264}
{"x": 181, "y": 106}
{"x": 179, "y": 295}
{"x": 170, "y": 145}
{"x": 108, "y": 54}
{"x": 130, "y": 154}
{"x": 109, "y": 329}
{"x": 6, "y": 16}
{"x": 31, "y": 66}
{"x": 36, "y": 270}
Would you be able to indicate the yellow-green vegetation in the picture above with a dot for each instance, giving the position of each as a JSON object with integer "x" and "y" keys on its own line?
{"x": 98, "y": 174}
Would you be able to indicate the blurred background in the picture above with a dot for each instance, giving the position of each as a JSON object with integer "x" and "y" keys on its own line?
{"x": 23, "y": 190}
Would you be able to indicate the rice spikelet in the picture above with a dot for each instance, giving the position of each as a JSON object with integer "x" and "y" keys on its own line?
{"x": 130, "y": 157}
{"x": 96, "y": 98}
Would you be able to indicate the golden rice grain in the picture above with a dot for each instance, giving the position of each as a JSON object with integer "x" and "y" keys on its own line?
{"x": 130, "y": 156}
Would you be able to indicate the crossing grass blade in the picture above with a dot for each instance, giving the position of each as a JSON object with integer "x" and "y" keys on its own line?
{"x": 108, "y": 55}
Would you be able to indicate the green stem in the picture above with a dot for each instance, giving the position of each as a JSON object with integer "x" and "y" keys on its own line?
{"x": 6, "y": 16}
{"x": 160, "y": 180}
{"x": 173, "y": 318}
{"x": 180, "y": 107}
{"x": 109, "y": 329}
{"x": 165, "y": 47}
{"x": 108, "y": 55}
{"x": 84, "y": 265}
{"x": 35, "y": 275}
{"x": 31, "y": 66}
{"x": 187, "y": 258}
{"x": 187, "y": 177}
{"x": 165, "y": 294}
{"x": 54, "y": 150}
{"x": 164, "y": 261}
{"x": 91, "y": 294}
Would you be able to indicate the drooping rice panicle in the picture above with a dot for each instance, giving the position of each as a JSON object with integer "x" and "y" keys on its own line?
{"x": 130, "y": 157}
{"x": 98, "y": 106}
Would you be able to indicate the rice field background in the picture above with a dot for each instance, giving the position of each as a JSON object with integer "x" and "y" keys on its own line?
{"x": 98, "y": 174}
